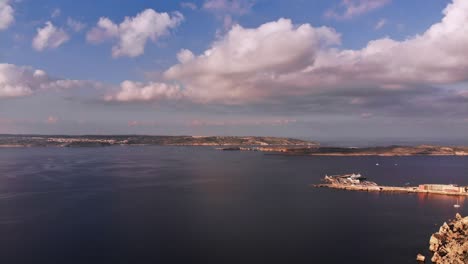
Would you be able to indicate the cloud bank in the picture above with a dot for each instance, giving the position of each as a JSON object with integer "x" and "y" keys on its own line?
{"x": 18, "y": 81}
{"x": 134, "y": 32}
{"x": 136, "y": 91}
{"x": 283, "y": 67}
{"x": 302, "y": 67}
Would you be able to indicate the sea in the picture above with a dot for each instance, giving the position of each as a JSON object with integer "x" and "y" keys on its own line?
{"x": 159, "y": 204}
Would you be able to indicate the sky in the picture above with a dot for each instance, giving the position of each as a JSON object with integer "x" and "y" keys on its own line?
{"x": 325, "y": 69}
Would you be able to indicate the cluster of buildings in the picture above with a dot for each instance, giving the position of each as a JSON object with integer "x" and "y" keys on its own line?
{"x": 450, "y": 188}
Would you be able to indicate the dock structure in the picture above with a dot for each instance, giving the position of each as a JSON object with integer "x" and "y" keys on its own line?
{"x": 355, "y": 182}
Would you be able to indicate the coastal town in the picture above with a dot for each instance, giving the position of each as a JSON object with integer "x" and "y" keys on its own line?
{"x": 117, "y": 140}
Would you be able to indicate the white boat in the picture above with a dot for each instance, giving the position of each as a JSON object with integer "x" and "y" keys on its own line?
{"x": 457, "y": 205}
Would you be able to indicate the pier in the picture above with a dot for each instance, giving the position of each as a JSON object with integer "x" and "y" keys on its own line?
{"x": 355, "y": 182}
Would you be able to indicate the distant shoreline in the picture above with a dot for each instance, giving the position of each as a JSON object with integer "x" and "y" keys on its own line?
{"x": 135, "y": 140}
{"x": 390, "y": 151}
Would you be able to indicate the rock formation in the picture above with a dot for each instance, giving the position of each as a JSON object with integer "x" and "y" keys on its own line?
{"x": 450, "y": 244}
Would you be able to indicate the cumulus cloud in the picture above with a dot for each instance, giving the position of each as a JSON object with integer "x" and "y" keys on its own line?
{"x": 49, "y": 37}
{"x": 351, "y": 8}
{"x": 280, "y": 59}
{"x": 437, "y": 56}
{"x": 185, "y": 56}
{"x": 234, "y": 66}
{"x": 280, "y": 66}
{"x": 136, "y": 91}
{"x": 6, "y": 14}
{"x": 17, "y": 81}
{"x": 133, "y": 33}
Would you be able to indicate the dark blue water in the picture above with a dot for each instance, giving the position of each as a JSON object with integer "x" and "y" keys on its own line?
{"x": 199, "y": 205}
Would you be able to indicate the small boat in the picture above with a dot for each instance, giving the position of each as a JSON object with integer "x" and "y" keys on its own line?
{"x": 457, "y": 205}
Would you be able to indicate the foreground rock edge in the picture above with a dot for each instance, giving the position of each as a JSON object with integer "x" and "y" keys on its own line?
{"x": 450, "y": 244}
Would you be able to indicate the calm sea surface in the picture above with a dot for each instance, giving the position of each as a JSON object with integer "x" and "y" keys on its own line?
{"x": 200, "y": 205}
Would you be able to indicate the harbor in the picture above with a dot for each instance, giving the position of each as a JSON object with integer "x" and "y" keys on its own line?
{"x": 356, "y": 182}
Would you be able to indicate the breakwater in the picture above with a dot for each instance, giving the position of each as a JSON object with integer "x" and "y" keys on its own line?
{"x": 393, "y": 189}
{"x": 355, "y": 182}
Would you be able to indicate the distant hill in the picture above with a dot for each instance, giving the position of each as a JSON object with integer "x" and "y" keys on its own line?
{"x": 423, "y": 150}
{"x": 109, "y": 140}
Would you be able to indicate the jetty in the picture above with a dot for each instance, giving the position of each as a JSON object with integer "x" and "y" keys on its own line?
{"x": 356, "y": 182}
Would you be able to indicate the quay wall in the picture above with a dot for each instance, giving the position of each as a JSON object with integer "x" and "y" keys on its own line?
{"x": 394, "y": 189}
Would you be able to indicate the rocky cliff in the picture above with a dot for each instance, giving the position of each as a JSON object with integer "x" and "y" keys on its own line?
{"x": 450, "y": 244}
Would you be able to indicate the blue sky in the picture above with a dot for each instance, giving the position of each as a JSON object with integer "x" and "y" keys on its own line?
{"x": 342, "y": 68}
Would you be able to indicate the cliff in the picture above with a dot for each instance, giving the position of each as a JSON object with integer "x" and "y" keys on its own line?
{"x": 450, "y": 244}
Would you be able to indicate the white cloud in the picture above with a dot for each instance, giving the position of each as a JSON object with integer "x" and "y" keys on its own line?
{"x": 133, "y": 33}
{"x": 136, "y": 91}
{"x": 238, "y": 7}
{"x": 227, "y": 10}
{"x": 351, "y": 8}
{"x": 439, "y": 55}
{"x": 185, "y": 56}
{"x": 56, "y": 13}
{"x": 17, "y": 81}
{"x": 189, "y": 5}
{"x": 75, "y": 25}
{"x": 104, "y": 30}
{"x": 6, "y": 14}
{"x": 279, "y": 59}
{"x": 233, "y": 68}
{"x": 49, "y": 37}
{"x": 380, "y": 24}
{"x": 280, "y": 67}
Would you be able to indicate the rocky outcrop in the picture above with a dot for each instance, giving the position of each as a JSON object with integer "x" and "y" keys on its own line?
{"x": 450, "y": 244}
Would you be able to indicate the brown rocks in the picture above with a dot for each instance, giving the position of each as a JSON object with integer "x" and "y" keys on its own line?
{"x": 420, "y": 258}
{"x": 450, "y": 244}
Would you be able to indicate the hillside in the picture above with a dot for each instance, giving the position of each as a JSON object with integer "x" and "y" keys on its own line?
{"x": 109, "y": 140}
